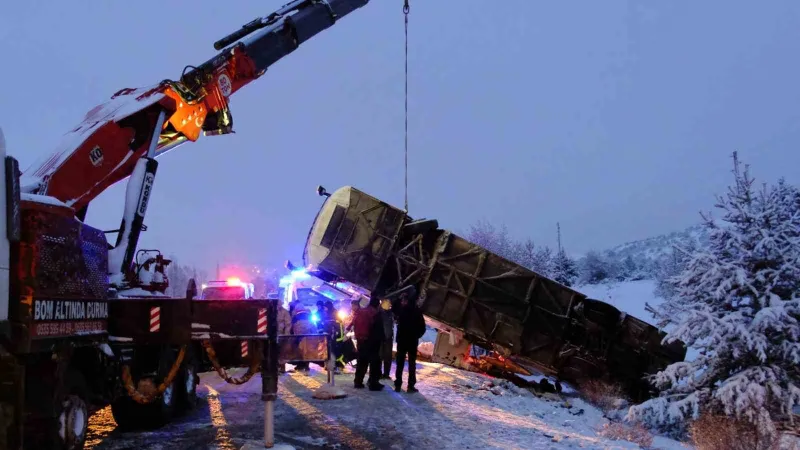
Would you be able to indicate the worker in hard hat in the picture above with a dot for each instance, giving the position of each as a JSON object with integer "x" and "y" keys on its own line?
{"x": 388, "y": 330}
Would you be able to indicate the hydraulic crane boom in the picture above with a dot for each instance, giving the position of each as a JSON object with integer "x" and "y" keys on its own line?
{"x": 123, "y": 136}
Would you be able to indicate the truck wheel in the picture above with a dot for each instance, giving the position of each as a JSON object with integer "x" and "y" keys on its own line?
{"x": 72, "y": 413}
{"x": 124, "y": 410}
{"x": 187, "y": 386}
{"x": 162, "y": 409}
{"x": 130, "y": 415}
{"x": 73, "y": 422}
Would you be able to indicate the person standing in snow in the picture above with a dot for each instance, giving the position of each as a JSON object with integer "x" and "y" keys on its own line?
{"x": 355, "y": 306}
{"x": 368, "y": 327}
{"x": 388, "y": 335}
{"x": 410, "y": 328}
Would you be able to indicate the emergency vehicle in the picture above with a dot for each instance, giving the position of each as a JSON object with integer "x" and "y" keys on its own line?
{"x": 230, "y": 289}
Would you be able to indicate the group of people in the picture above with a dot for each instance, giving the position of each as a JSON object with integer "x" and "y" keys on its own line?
{"x": 373, "y": 327}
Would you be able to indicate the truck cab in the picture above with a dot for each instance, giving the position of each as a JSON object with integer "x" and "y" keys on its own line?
{"x": 230, "y": 289}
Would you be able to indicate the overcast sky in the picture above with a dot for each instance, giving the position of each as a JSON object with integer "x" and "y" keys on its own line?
{"x": 615, "y": 118}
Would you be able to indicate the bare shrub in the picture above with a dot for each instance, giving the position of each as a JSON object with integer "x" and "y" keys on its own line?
{"x": 717, "y": 432}
{"x": 635, "y": 433}
{"x": 603, "y": 395}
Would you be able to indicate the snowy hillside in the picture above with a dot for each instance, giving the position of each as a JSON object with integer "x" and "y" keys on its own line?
{"x": 655, "y": 248}
{"x": 627, "y": 296}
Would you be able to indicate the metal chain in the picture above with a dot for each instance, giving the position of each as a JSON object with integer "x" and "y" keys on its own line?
{"x": 255, "y": 364}
{"x": 144, "y": 398}
{"x": 406, "y": 9}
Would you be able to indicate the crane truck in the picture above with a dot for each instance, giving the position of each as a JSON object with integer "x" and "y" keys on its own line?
{"x": 482, "y": 298}
{"x": 85, "y": 324}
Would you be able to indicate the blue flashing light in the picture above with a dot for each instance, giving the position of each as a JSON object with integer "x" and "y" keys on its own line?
{"x": 295, "y": 275}
{"x": 314, "y": 317}
{"x": 300, "y": 274}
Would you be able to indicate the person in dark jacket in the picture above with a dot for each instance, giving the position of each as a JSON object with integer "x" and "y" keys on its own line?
{"x": 410, "y": 328}
{"x": 388, "y": 334}
{"x": 368, "y": 328}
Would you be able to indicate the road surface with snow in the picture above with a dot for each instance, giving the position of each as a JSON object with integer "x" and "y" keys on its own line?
{"x": 454, "y": 409}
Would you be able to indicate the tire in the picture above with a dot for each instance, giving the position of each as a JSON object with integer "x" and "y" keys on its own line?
{"x": 125, "y": 412}
{"x": 164, "y": 408}
{"x": 73, "y": 423}
{"x": 186, "y": 384}
{"x": 130, "y": 415}
{"x": 71, "y": 414}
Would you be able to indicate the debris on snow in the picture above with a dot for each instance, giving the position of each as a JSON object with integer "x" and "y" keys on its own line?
{"x": 329, "y": 392}
{"x": 425, "y": 349}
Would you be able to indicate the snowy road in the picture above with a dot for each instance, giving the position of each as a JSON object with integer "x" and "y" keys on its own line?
{"x": 452, "y": 410}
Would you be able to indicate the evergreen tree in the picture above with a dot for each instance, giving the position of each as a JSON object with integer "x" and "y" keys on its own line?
{"x": 543, "y": 262}
{"x": 629, "y": 269}
{"x": 594, "y": 268}
{"x": 565, "y": 270}
{"x": 495, "y": 240}
{"x": 738, "y": 302}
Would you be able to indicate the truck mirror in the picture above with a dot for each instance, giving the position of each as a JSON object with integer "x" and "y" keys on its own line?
{"x": 322, "y": 192}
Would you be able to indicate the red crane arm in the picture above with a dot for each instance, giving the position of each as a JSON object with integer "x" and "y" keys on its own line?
{"x": 112, "y": 137}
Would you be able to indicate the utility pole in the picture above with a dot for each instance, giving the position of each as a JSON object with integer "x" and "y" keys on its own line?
{"x": 558, "y": 226}
{"x": 217, "y": 277}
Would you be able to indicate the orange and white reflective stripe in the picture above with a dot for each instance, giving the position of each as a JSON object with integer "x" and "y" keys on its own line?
{"x": 262, "y": 321}
{"x": 245, "y": 349}
{"x": 155, "y": 319}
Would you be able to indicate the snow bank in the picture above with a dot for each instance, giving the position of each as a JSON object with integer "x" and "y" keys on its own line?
{"x": 629, "y": 297}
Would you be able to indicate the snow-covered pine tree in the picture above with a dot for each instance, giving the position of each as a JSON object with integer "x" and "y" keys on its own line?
{"x": 593, "y": 268}
{"x": 737, "y": 302}
{"x": 671, "y": 266}
{"x": 543, "y": 261}
{"x": 565, "y": 270}
{"x": 493, "y": 239}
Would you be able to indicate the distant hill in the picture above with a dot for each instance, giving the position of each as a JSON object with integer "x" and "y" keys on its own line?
{"x": 636, "y": 260}
{"x": 654, "y": 248}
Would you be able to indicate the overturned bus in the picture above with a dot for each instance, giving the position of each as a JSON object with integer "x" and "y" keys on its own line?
{"x": 491, "y": 301}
